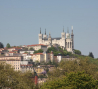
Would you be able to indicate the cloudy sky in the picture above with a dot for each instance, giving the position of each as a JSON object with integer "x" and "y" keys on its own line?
{"x": 20, "y": 21}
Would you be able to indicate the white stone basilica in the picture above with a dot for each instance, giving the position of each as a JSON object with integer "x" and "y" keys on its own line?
{"x": 65, "y": 41}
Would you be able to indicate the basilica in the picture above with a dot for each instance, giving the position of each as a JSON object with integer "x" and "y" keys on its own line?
{"x": 65, "y": 41}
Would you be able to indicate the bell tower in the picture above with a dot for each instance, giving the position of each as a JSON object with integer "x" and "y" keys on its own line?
{"x": 63, "y": 34}
{"x": 68, "y": 42}
{"x": 40, "y": 37}
{"x": 72, "y": 36}
{"x": 62, "y": 43}
{"x": 50, "y": 40}
{"x": 45, "y": 36}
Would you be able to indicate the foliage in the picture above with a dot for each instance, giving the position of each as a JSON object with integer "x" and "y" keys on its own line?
{"x": 76, "y": 65}
{"x": 1, "y": 45}
{"x": 41, "y": 76}
{"x": 49, "y": 63}
{"x": 91, "y": 54}
{"x": 13, "y": 79}
{"x": 31, "y": 49}
{"x": 8, "y": 45}
{"x": 58, "y": 50}
{"x": 79, "y": 80}
{"x": 39, "y": 51}
{"x": 77, "y": 52}
{"x": 68, "y": 74}
{"x": 26, "y": 52}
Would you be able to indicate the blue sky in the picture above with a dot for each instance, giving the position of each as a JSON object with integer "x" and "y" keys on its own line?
{"x": 20, "y": 21}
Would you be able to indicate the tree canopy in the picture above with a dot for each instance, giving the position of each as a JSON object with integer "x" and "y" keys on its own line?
{"x": 72, "y": 80}
{"x": 1, "y": 45}
{"x": 13, "y": 79}
{"x": 91, "y": 54}
{"x": 74, "y": 66}
{"x": 77, "y": 52}
{"x": 58, "y": 50}
{"x": 68, "y": 74}
{"x": 8, "y": 45}
{"x": 31, "y": 49}
{"x": 39, "y": 51}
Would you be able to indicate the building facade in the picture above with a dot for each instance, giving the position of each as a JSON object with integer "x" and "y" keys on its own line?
{"x": 14, "y": 61}
{"x": 37, "y": 47}
{"x": 42, "y": 57}
{"x": 65, "y": 41}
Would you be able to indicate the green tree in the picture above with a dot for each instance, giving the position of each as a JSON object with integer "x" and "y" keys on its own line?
{"x": 73, "y": 80}
{"x": 76, "y": 65}
{"x": 39, "y": 51}
{"x": 13, "y": 79}
{"x": 26, "y": 52}
{"x": 8, "y": 45}
{"x": 1, "y": 45}
{"x": 51, "y": 49}
{"x": 77, "y": 52}
{"x": 58, "y": 50}
{"x": 91, "y": 54}
{"x": 31, "y": 49}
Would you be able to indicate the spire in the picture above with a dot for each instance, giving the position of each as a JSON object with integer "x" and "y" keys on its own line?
{"x": 72, "y": 30}
{"x": 67, "y": 30}
{"x": 40, "y": 30}
{"x": 49, "y": 35}
{"x": 63, "y": 28}
{"x": 45, "y": 31}
{"x": 72, "y": 36}
{"x": 72, "y": 27}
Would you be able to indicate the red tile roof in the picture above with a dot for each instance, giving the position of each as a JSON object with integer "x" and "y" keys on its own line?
{"x": 11, "y": 52}
{"x": 14, "y": 50}
{"x": 24, "y": 53}
{"x": 37, "y": 54}
{"x": 37, "y": 45}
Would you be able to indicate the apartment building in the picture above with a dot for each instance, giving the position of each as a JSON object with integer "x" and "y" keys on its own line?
{"x": 14, "y": 61}
{"x": 38, "y": 46}
{"x": 43, "y": 57}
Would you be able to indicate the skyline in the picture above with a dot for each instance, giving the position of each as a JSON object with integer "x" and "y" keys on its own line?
{"x": 20, "y": 22}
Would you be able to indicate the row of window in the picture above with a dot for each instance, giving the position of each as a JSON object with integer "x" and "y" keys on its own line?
{"x": 68, "y": 44}
{"x": 14, "y": 62}
{"x": 16, "y": 65}
{"x": 16, "y": 68}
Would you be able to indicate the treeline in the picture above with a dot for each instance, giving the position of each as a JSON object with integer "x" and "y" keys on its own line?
{"x": 58, "y": 50}
{"x": 15, "y": 80}
{"x": 80, "y": 73}
{"x": 64, "y": 52}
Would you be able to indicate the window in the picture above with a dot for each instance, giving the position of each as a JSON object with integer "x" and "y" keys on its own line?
{"x": 68, "y": 44}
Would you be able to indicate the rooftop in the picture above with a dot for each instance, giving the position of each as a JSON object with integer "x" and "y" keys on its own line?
{"x": 37, "y": 45}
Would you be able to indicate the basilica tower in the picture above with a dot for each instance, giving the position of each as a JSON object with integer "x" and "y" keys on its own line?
{"x": 72, "y": 36}
{"x": 40, "y": 37}
{"x": 45, "y": 36}
{"x": 63, "y": 34}
{"x": 63, "y": 38}
{"x": 68, "y": 42}
{"x": 50, "y": 40}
